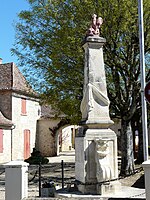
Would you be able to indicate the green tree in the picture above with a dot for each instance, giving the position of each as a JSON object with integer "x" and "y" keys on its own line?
{"x": 49, "y": 40}
{"x": 123, "y": 71}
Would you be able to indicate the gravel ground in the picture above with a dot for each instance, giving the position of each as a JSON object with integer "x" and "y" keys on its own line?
{"x": 49, "y": 172}
{"x": 52, "y": 172}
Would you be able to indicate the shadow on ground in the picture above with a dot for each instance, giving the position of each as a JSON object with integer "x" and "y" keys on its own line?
{"x": 140, "y": 183}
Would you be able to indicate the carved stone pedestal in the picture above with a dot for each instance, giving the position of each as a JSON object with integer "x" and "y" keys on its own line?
{"x": 96, "y": 160}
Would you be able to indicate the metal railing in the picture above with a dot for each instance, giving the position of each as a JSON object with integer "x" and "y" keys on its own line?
{"x": 61, "y": 174}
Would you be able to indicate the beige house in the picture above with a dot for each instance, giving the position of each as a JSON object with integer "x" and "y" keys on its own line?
{"x": 6, "y": 127}
{"x": 54, "y": 135}
{"x": 24, "y": 124}
{"x": 19, "y": 108}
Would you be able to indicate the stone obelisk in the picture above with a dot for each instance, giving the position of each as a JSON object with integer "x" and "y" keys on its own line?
{"x": 96, "y": 143}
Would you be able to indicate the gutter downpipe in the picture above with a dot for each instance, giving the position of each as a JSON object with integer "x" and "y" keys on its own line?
{"x": 12, "y": 128}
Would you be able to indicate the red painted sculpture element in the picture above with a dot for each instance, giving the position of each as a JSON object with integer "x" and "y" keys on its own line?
{"x": 95, "y": 26}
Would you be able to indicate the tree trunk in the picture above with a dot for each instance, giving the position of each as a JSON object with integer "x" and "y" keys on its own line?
{"x": 137, "y": 126}
{"x": 140, "y": 156}
{"x": 127, "y": 155}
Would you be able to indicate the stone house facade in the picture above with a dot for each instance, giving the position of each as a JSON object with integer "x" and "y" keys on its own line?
{"x": 19, "y": 105}
{"x": 53, "y": 135}
{"x": 45, "y": 139}
{"x": 6, "y": 127}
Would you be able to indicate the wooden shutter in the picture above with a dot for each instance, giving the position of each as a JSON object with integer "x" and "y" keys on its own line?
{"x": 23, "y": 107}
{"x": 1, "y": 140}
{"x": 26, "y": 144}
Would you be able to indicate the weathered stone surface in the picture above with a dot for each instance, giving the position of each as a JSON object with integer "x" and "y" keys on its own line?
{"x": 91, "y": 167}
{"x": 95, "y": 103}
{"x": 96, "y": 143}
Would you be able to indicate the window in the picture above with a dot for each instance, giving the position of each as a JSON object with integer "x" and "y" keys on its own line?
{"x": 23, "y": 107}
{"x": 1, "y": 140}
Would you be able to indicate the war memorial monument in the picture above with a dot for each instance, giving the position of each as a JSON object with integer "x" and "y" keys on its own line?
{"x": 96, "y": 143}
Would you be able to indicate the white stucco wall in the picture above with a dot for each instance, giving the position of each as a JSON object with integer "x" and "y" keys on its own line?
{"x": 5, "y": 156}
{"x": 67, "y": 138}
{"x": 22, "y": 122}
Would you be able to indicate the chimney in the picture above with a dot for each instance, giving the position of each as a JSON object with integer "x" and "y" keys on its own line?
{"x": 1, "y": 60}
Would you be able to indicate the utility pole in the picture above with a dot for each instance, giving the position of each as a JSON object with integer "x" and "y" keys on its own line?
{"x": 142, "y": 67}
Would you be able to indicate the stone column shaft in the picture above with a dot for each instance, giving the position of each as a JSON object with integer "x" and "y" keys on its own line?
{"x": 95, "y": 103}
{"x": 96, "y": 143}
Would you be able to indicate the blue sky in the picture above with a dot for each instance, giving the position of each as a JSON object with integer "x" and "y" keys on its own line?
{"x": 8, "y": 15}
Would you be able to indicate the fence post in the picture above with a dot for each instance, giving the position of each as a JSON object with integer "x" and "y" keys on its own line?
{"x": 16, "y": 180}
{"x": 62, "y": 171}
{"x": 146, "y": 166}
{"x": 40, "y": 179}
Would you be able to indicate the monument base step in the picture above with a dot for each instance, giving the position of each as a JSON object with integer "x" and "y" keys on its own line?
{"x": 123, "y": 192}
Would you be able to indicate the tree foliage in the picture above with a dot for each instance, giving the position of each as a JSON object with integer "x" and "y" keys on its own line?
{"x": 49, "y": 40}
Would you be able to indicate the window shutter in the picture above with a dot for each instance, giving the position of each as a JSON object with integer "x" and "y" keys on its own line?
{"x": 1, "y": 140}
{"x": 26, "y": 144}
{"x": 23, "y": 107}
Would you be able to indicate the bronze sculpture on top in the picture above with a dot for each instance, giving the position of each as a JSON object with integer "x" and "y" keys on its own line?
{"x": 96, "y": 143}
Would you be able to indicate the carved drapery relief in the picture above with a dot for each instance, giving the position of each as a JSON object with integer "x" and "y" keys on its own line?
{"x": 94, "y": 103}
{"x": 103, "y": 169}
